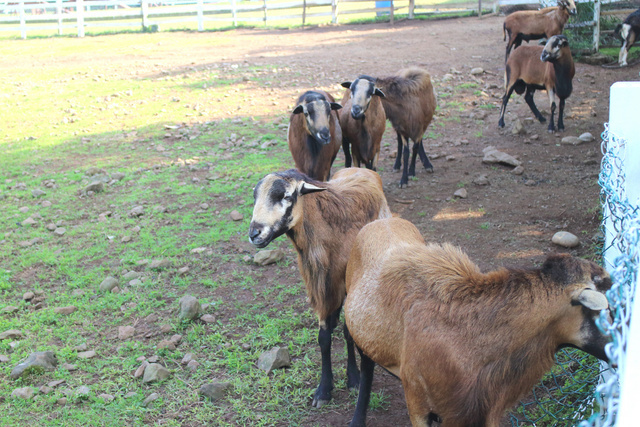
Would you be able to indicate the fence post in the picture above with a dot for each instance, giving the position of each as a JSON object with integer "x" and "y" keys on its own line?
{"x": 596, "y": 28}
{"x": 59, "y": 15}
{"x": 479, "y": 8}
{"x": 144, "y": 10}
{"x": 234, "y": 13}
{"x": 334, "y": 11}
{"x": 624, "y": 123}
{"x": 304, "y": 11}
{"x": 80, "y": 17}
{"x": 23, "y": 23}
{"x": 391, "y": 12}
{"x": 412, "y": 6}
{"x": 200, "y": 15}
{"x": 264, "y": 6}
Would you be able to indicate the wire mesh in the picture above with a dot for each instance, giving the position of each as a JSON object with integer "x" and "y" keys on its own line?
{"x": 581, "y": 390}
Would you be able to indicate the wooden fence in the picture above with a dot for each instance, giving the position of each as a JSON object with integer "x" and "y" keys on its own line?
{"x": 58, "y": 16}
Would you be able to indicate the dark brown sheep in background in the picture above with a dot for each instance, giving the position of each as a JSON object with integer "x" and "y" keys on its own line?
{"x": 314, "y": 134}
{"x": 322, "y": 221}
{"x": 465, "y": 344}
{"x": 409, "y": 103}
{"x": 528, "y": 25}
{"x": 534, "y": 67}
{"x": 363, "y": 121}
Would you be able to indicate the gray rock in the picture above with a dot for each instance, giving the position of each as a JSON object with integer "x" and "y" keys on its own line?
{"x": 36, "y": 362}
{"x": 193, "y": 365}
{"x": 25, "y": 393}
{"x": 131, "y": 275}
{"x": 208, "y": 318}
{"x": 118, "y": 176}
{"x": 158, "y": 264}
{"x": 155, "y": 372}
{"x": 150, "y": 398}
{"x": 106, "y": 397}
{"x": 266, "y": 257}
{"x": 126, "y": 332}
{"x": 182, "y": 271}
{"x": 93, "y": 170}
{"x": 236, "y": 216}
{"x": 95, "y": 186}
{"x": 518, "y": 170}
{"x": 69, "y": 367}
{"x": 10, "y": 309}
{"x": 82, "y": 392}
{"x": 169, "y": 345}
{"x": 28, "y": 222}
{"x": 277, "y": 357}
{"x": 108, "y": 284}
{"x": 461, "y": 193}
{"x": 481, "y": 180}
{"x": 61, "y": 401}
{"x": 586, "y": 137}
{"x": 492, "y": 155}
{"x": 45, "y": 389}
{"x": 571, "y": 140}
{"x": 187, "y": 358}
{"x": 136, "y": 212}
{"x": 176, "y": 339}
{"x": 189, "y": 308}
{"x": 215, "y": 390}
{"x": 38, "y": 193}
{"x": 87, "y": 354}
{"x": 476, "y": 71}
{"x": 28, "y": 296}
{"x": 518, "y": 128}
{"x": 3, "y": 358}
{"x": 56, "y": 383}
{"x": 11, "y": 334}
{"x": 565, "y": 239}
{"x": 140, "y": 371}
{"x": 65, "y": 310}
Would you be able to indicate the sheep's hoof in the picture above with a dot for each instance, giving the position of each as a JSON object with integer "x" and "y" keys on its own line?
{"x": 321, "y": 398}
{"x": 319, "y": 403}
{"x": 542, "y": 119}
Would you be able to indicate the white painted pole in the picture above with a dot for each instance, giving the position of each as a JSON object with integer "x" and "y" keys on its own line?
{"x": 80, "y": 17}
{"x": 144, "y": 10}
{"x": 23, "y": 21}
{"x": 624, "y": 123}
{"x": 334, "y": 11}
{"x": 200, "y": 15}
{"x": 596, "y": 28}
{"x": 59, "y": 14}
{"x": 234, "y": 13}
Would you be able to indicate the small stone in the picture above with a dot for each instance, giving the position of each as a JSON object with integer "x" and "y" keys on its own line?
{"x": 150, "y": 398}
{"x": 135, "y": 282}
{"x": 187, "y": 358}
{"x": 51, "y": 227}
{"x": 62, "y": 401}
{"x": 215, "y": 390}
{"x": 246, "y": 346}
{"x": 236, "y": 216}
{"x": 153, "y": 359}
{"x": 155, "y": 372}
{"x": 10, "y": 309}
{"x": 115, "y": 290}
{"x": 534, "y": 137}
{"x": 204, "y": 206}
{"x": 82, "y": 392}
{"x": 565, "y": 239}
{"x": 23, "y": 209}
{"x": 193, "y": 365}
{"x": 277, "y": 357}
{"x": 77, "y": 293}
{"x": 586, "y": 137}
{"x": 266, "y": 257}
{"x": 108, "y": 284}
{"x": 165, "y": 329}
{"x": 106, "y": 397}
{"x": 45, "y": 389}
{"x": 571, "y": 140}
{"x": 158, "y": 264}
{"x": 46, "y": 204}
{"x": 87, "y": 354}
{"x": 126, "y": 332}
{"x": 198, "y": 250}
{"x": 492, "y": 155}
{"x": 208, "y": 318}
{"x": 95, "y": 186}
{"x": 82, "y": 347}
{"x": 38, "y": 193}
{"x": 518, "y": 170}
{"x": 530, "y": 183}
{"x": 28, "y": 222}
{"x": 3, "y": 358}
{"x": 65, "y": 310}
{"x": 130, "y": 394}
{"x": 166, "y": 344}
{"x": 481, "y": 180}
{"x": 25, "y": 393}
{"x": 461, "y": 193}
{"x": 176, "y": 339}
{"x": 182, "y": 271}
{"x": 11, "y": 334}
{"x": 69, "y": 367}
{"x": 476, "y": 71}
{"x": 54, "y": 384}
{"x": 117, "y": 176}
{"x": 131, "y": 275}
{"x": 136, "y": 212}
{"x": 140, "y": 371}
{"x": 126, "y": 239}
{"x": 518, "y": 128}
{"x": 36, "y": 362}
{"x": 60, "y": 231}
{"x": 189, "y": 308}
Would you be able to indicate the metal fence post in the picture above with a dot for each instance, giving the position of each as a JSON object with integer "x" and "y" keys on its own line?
{"x": 80, "y": 17}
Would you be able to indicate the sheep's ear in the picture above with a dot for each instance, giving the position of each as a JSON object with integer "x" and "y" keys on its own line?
{"x": 306, "y": 188}
{"x": 378, "y": 92}
{"x": 335, "y": 106}
{"x": 346, "y": 84}
{"x": 299, "y": 109}
{"x": 591, "y": 299}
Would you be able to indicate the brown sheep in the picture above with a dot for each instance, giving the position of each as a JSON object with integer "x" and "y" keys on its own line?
{"x": 362, "y": 120}
{"x": 409, "y": 103}
{"x": 322, "y": 221}
{"x": 314, "y": 134}
{"x": 535, "y": 67}
{"x": 628, "y": 32}
{"x": 465, "y": 344}
{"x": 528, "y": 25}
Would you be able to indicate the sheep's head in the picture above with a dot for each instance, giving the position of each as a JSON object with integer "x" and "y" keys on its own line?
{"x": 583, "y": 284}
{"x": 317, "y": 115}
{"x": 569, "y": 5}
{"x": 362, "y": 89}
{"x": 554, "y": 48}
{"x": 275, "y": 209}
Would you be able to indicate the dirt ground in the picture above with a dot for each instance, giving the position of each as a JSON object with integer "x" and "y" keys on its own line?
{"x": 508, "y": 222}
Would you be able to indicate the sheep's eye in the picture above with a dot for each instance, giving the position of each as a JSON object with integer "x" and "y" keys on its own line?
{"x": 287, "y": 198}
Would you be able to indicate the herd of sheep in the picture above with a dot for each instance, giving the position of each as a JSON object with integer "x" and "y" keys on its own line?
{"x": 465, "y": 344}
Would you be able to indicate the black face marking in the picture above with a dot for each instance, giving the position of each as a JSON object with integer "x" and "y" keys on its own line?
{"x": 277, "y": 191}
{"x": 256, "y": 188}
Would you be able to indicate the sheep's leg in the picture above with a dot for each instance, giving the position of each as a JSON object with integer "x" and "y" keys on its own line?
{"x": 353, "y": 375}
{"x": 405, "y": 166}
{"x": 347, "y": 153}
{"x": 366, "y": 380}
{"x": 560, "y": 115}
{"x": 552, "y": 105}
{"x": 323, "y": 392}
{"x": 414, "y": 155}
{"x": 396, "y": 166}
{"x": 505, "y": 100}
{"x": 423, "y": 157}
{"x": 528, "y": 97}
